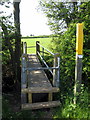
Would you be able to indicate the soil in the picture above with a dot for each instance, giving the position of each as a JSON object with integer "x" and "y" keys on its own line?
{"x": 15, "y": 105}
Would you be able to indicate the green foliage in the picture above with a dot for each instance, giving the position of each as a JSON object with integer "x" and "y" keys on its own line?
{"x": 65, "y": 43}
{"x": 63, "y": 18}
{"x": 61, "y": 15}
{"x": 9, "y": 114}
{"x": 80, "y": 110}
{"x": 7, "y": 38}
{"x": 10, "y": 41}
{"x": 6, "y": 110}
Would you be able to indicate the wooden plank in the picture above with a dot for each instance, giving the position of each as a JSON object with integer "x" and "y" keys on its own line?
{"x": 30, "y": 97}
{"x": 37, "y": 78}
{"x": 50, "y": 97}
{"x": 41, "y": 105}
{"x": 40, "y": 90}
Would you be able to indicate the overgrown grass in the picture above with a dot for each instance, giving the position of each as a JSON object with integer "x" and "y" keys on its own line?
{"x": 8, "y": 114}
{"x": 79, "y": 111}
{"x": 67, "y": 110}
{"x": 32, "y": 42}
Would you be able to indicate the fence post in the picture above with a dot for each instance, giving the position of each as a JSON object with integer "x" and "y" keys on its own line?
{"x": 37, "y": 47}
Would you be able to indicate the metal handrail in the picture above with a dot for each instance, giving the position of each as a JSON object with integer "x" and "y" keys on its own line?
{"x": 31, "y": 46}
{"x": 45, "y": 63}
{"x": 45, "y": 49}
{"x": 40, "y": 68}
{"x": 56, "y": 65}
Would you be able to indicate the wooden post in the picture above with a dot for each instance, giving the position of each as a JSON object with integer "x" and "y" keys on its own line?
{"x": 37, "y": 47}
{"x": 30, "y": 97}
{"x": 50, "y": 98}
{"x": 78, "y": 67}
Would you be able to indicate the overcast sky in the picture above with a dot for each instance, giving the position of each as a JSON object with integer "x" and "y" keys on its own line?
{"x": 32, "y": 21}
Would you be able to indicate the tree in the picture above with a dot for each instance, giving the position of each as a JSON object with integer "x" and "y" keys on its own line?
{"x": 63, "y": 18}
{"x": 11, "y": 46}
{"x": 17, "y": 40}
{"x": 59, "y": 14}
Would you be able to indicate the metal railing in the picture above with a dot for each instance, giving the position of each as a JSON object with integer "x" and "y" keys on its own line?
{"x": 55, "y": 70}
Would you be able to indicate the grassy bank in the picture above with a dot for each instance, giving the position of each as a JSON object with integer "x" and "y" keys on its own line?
{"x": 32, "y": 42}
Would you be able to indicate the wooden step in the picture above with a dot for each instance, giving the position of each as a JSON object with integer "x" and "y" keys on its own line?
{"x": 40, "y": 105}
{"x": 40, "y": 90}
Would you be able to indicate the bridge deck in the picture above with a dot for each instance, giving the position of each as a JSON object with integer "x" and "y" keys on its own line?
{"x": 36, "y": 78}
{"x": 37, "y": 91}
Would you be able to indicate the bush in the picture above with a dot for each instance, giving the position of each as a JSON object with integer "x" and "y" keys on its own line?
{"x": 80, "y": 110}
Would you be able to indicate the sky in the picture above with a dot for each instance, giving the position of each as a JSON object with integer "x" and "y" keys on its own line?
{"x": 32, "y": 21}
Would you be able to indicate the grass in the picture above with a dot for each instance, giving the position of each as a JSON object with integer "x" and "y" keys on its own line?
{"x": 67, "y": 111}
{"x": 79, "y": 111}
{"x": 32, "y": 42}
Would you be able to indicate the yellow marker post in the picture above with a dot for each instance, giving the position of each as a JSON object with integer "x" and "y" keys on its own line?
{"x": 78, "y": 67}
{"x": 79, "y": 40}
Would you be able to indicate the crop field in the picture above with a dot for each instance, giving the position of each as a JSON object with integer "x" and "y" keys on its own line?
{"x": 32, "y": 42}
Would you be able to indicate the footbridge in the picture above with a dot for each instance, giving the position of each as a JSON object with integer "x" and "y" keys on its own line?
{"x": 37, "y": 90}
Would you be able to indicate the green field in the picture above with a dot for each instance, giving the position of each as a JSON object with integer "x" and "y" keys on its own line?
{"x": 32, "y": 42}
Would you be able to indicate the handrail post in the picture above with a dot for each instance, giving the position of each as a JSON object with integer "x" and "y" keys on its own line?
{"x": 56, "y": 73}
{"x": 24, "y": 78}
{"x": 25, "y": 48}
{"x": 23, "y": 69}
{"x": 37, "y": 47}
{"x": 22, "y": 48}
{"x": 42, "y": 52}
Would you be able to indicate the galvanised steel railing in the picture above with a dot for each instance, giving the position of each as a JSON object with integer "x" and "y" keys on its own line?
{"x": 55, "y": 70}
